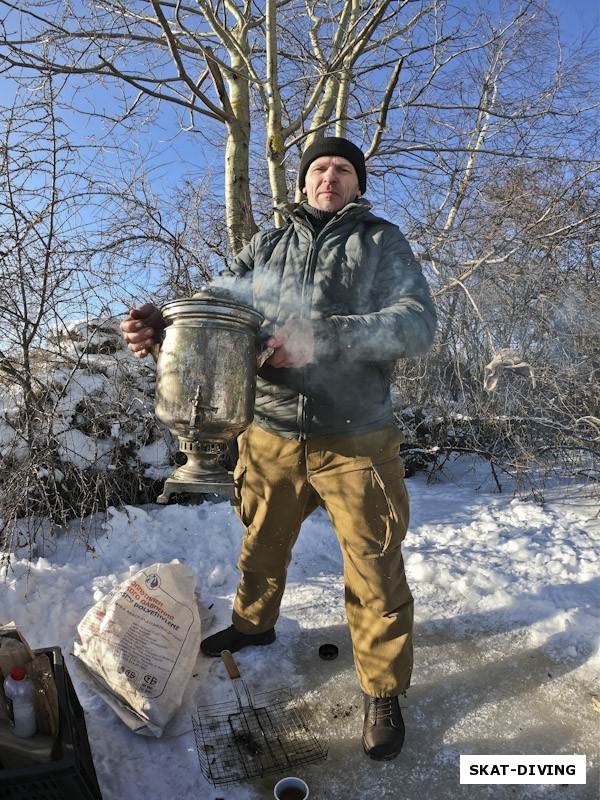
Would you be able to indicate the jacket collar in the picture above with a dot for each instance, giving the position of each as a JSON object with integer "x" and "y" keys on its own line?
{"x": 294, "y": 212}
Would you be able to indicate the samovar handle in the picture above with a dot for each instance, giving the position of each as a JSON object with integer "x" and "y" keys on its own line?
{"x": 264, "y": 356}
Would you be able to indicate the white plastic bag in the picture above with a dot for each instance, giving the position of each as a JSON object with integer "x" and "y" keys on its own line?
{"x": 140, "y": 643}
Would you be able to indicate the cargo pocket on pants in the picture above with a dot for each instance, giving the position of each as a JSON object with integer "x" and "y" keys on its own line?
{"x": 392, "y": 502}
{"x": 239, "y": 477}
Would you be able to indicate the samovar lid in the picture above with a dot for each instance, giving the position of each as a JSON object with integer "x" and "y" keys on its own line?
{"x": 212, "y": 304}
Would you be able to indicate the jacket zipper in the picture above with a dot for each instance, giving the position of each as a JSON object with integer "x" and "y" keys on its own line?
{"x": 308, "y": 279}
{"x": 302, "y": 419}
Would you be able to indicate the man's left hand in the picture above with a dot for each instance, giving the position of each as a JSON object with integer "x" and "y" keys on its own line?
{"x": 294, "y": 344}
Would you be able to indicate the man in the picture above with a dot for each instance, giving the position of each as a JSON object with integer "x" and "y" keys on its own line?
{"x": 343, "y": 298}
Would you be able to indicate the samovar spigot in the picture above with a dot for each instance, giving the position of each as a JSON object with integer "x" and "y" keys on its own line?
{"x": 200, "y": 413}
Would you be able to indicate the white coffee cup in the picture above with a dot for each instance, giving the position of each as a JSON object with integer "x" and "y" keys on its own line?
{"x": 291, "y": 789}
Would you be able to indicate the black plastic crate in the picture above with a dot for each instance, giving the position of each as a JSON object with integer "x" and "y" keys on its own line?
{"x": 71, "y": 775}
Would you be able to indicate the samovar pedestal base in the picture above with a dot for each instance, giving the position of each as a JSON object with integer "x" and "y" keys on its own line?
{"x": 196, "y": 490}
{"x": 202, "y": 474}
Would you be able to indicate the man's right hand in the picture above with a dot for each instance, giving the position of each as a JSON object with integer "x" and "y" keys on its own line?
{"x": 140, "y": 327}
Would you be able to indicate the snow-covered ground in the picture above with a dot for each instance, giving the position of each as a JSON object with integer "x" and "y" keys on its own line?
{"x": 506, "y": 642}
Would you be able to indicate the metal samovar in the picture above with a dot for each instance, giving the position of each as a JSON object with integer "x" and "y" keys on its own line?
{"x": 205, "y": 386}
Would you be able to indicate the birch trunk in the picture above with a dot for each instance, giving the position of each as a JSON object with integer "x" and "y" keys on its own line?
{"x": 275, "y": 150}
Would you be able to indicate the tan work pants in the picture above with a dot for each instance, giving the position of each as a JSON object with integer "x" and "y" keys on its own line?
{"x": 359, "y": 480}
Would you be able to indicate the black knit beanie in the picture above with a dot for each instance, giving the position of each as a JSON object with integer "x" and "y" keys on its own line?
{"x": 334, "y": 146}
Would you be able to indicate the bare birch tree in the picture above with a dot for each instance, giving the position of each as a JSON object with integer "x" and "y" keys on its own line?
{"x": 304, "y": 66}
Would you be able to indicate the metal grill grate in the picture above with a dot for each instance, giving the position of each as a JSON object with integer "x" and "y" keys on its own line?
{"x": 237, "y": 742}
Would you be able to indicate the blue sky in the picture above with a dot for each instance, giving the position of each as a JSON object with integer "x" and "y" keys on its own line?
{"x": 577, "y": 17}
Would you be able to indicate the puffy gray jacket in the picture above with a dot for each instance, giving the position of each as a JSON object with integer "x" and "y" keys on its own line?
{"x": 359, "y": 282}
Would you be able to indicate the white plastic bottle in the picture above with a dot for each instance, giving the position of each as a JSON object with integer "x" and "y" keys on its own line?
{"x": 19, "y": 692}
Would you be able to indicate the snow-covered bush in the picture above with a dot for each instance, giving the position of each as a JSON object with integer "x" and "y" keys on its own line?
{"x": 85, "y": 439}
{"x": 532, "y": 426}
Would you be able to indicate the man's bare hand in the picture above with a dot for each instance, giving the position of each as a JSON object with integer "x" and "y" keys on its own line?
{"x": 140, "y": 327}
{"x": 294, "y": 344}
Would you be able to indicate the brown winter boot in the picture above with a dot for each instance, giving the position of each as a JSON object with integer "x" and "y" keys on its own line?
{"x": 383, "y": 730}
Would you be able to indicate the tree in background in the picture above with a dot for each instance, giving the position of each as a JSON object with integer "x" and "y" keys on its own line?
{"x": 507, "y": 218}
{"x": 243, "y": 76}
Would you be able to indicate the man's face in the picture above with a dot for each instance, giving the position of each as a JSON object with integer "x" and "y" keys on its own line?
{"x": 331, "y": 183}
